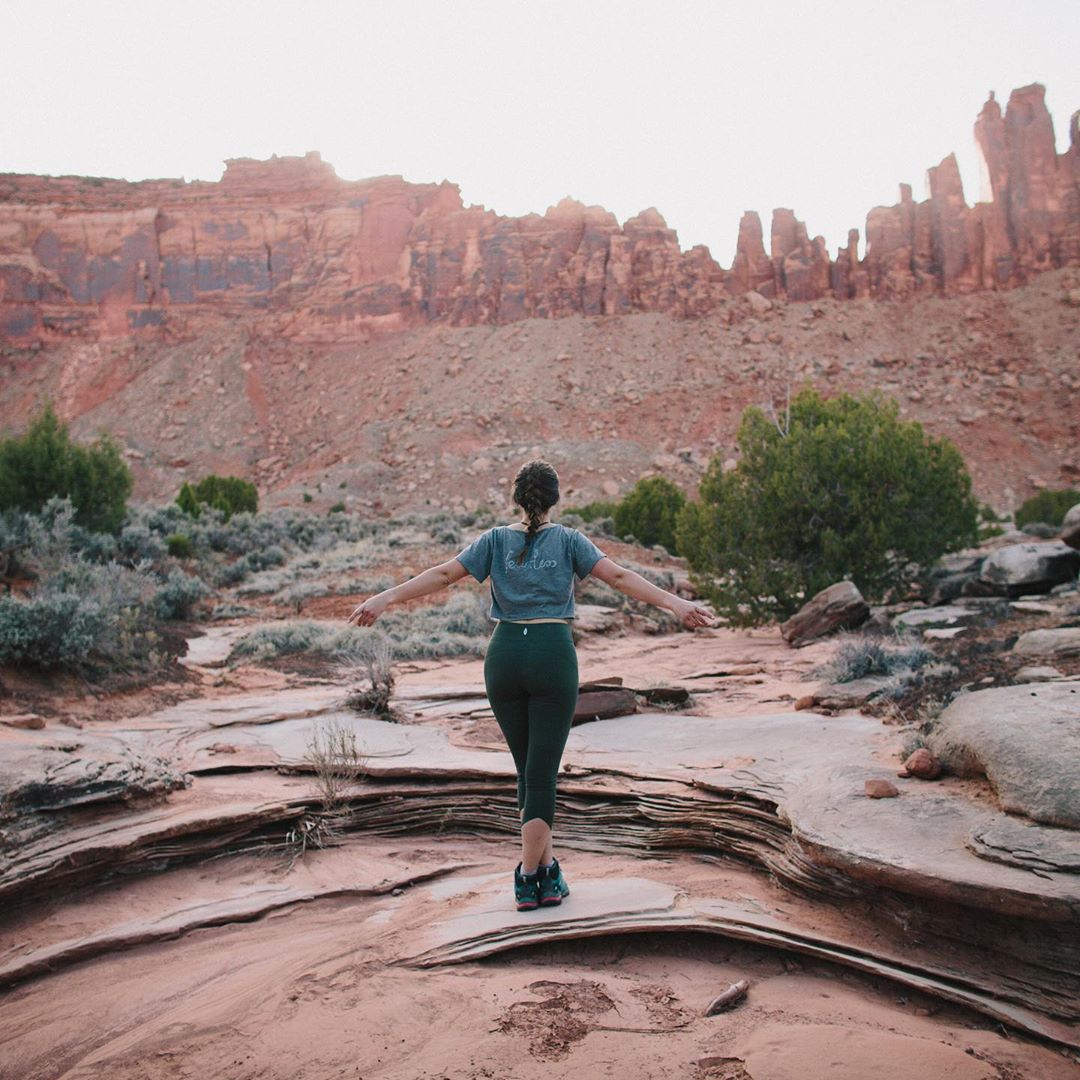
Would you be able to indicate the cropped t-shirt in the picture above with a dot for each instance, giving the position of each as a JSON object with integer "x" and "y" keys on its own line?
{"x": 543, "y": 586}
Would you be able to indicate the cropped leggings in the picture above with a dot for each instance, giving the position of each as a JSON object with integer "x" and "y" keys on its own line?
{"x": 531, "y": 676}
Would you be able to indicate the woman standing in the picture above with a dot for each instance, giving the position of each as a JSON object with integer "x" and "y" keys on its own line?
{"x": 531, "y": 668}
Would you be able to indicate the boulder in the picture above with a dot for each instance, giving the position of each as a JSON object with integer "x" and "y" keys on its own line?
{"x": 839, "y": 607}
{"x": 1070, "y": 527}
{"x": 923, "y": 764}
{"x": 1029, "y": 568}
{"x": 1025, "y": 740}
{"x": 1049, "y": 644}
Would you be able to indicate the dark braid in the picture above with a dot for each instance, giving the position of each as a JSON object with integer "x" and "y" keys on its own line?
{"x": 536, "y": 490}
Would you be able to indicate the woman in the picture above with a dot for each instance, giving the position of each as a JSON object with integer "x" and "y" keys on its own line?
{"x": 531, "y": 668}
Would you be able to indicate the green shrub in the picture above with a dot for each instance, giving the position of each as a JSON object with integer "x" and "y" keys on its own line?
{"x": 337, "y": 508}
{"x": 307, "y": 496}
{"x": 840, "y": 489}
{"x": 44, "y": 463}
{"x": 229, "y": 494}
{"x": 179, "y": 546}
{"x": 1047, "y": 508}
{"x": 649, "y": 511}
{"x": 598, "y": 508}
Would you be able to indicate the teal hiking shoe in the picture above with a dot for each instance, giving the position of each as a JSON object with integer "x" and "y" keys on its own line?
{"x": 553, "y": 885}
{"x": 526, "y": 889}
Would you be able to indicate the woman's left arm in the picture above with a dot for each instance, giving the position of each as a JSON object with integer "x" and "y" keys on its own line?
{"x": 431, "y": 580}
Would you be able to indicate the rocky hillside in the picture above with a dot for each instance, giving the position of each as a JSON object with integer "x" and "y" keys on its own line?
{"x": 377, "y": 343}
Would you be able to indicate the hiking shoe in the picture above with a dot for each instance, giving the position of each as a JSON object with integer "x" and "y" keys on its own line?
{"x": 526, "y": 889}
{"x": 553, "y": 885}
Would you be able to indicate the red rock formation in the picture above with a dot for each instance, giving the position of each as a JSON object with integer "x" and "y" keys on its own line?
{"x": 752, "y": 269}
{"x": 287, "y": 241}
{"x": 801, "y": 266}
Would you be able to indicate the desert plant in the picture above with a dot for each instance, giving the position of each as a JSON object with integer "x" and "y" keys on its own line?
{"x": 337, "y": 764}
{"x": 598, "y": 508}
{"x": 859, "y": 658}
{"x": 229, "y": 494}
{"x": 180, "y": 593}
{"x": 649, "y": 511}
{"x": 179, "y": 546}
{"x": 1047, "y": 507}
{"x": 370, "y": 676}
{"x": 44, "y": 463}
{"x": 837, "y": 489}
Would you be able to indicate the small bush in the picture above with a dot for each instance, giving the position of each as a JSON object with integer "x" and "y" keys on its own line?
{"x": 860, "y": 659}
{"x": 1047, "y": 507}
{"x": 179, "y": 594}
{"x": 229, "y": 494}
{"x": 337, "y": 508}
{"x": 56, "y": 630}
{"x": 44, "y": 464}
{"x": 598, "y": 508}
{"x": 179, "y": 546}
{"x": 307, "y": 497}
{"x": 649, "y": 511}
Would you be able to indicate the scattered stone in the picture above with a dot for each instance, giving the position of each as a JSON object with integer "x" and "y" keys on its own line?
{"x": 880, "y": 789}
{"x": 1025, "y": 740}
{"x": 839, "y": 607}
{"x": 922, "y": 764}
{"x": 1022, "y": 568}
{"x": 603, "y": 704}
{"x": 31, "y": 721}
{"x": 850, "y": 695}
{"x": 759, "y": 304}
{"x": 1049, "y": 644}
{"x": 1034, "y": 607}
{"x": 1037, "y": 674}
{"x": 807, "y": 701}
{"x": 932, "y": 617}
{"x": 731, "y": 997}
{"x": 223, "y": 748}
{"x": 941, "y": 633}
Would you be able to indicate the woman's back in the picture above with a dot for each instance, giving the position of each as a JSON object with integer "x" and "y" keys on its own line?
{"x": 541, "y": 586}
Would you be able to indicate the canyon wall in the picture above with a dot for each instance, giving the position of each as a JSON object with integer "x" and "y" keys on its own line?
{"x": 317, "y": 257}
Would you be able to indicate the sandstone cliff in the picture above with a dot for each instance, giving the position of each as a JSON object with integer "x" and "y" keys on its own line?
{"x": 318, "y": 258}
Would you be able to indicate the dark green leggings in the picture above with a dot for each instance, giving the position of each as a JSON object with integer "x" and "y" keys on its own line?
{"x": 531, "y": 676}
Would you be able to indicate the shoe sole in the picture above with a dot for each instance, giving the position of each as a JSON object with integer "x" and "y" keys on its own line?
{"x": 554, "y": 901}
{"x": 527, "y": 907}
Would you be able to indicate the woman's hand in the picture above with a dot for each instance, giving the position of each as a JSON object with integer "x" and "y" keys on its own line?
{"x": 369, "y": 610}
{"x": 693, "y": 615}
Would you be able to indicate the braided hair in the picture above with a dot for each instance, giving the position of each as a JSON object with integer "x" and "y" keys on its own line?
{"x": 536, "y": 490}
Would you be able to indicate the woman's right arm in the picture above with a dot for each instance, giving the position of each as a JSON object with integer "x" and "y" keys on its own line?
{"x": 632, "y": 584}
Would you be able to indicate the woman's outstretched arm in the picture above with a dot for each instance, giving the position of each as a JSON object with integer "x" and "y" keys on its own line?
{"x": 632, "y": 584}
{"x": 431, "y": 580}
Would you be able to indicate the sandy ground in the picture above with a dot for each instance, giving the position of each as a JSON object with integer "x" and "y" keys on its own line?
{"x": 317, "y": 990}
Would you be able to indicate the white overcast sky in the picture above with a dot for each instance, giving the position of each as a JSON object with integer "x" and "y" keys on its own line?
{"x": 702, "y": 109}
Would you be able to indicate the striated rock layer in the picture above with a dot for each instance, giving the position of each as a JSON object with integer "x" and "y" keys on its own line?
{"x": 317, "y": 257}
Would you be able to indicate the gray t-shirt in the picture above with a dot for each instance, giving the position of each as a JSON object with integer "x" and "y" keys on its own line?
{"x": 543, "y": 586}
